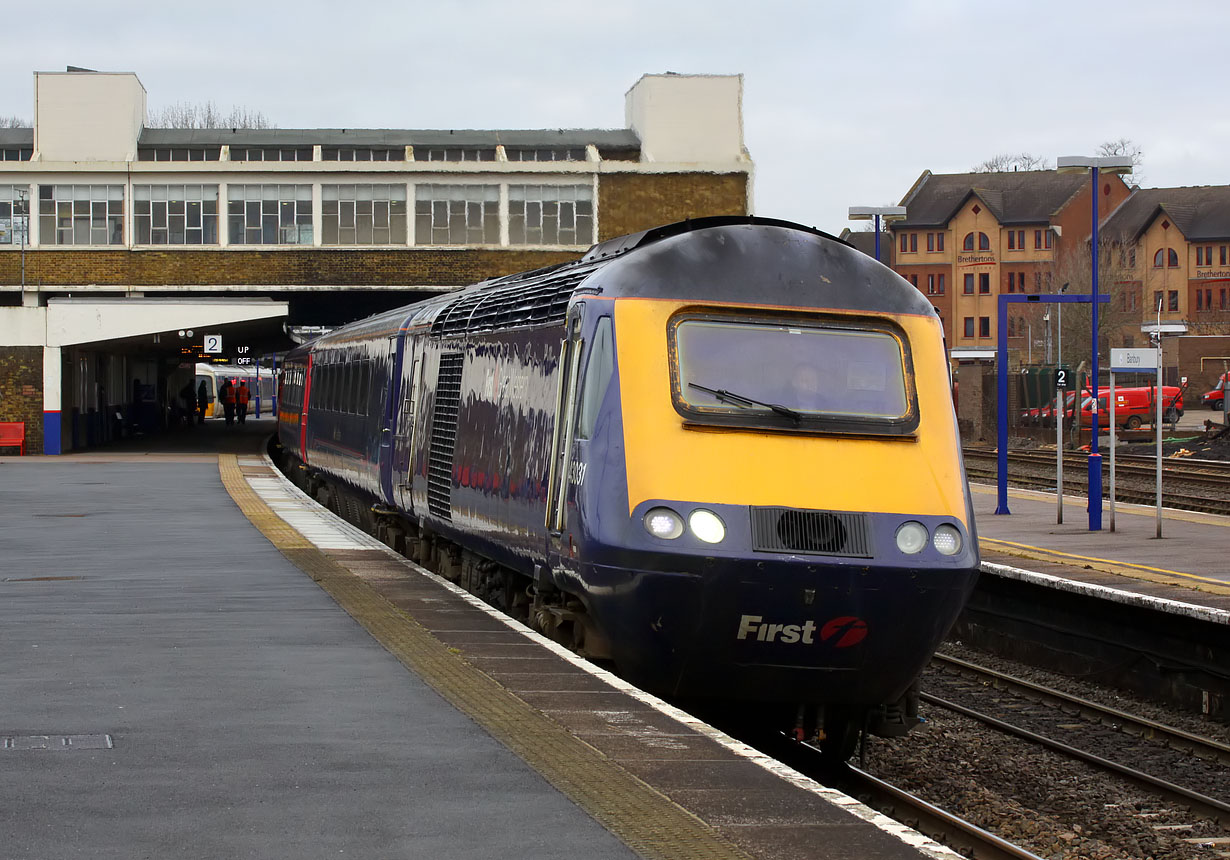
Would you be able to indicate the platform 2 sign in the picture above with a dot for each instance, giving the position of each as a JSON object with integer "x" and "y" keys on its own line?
{"x": 1063, "y": 379}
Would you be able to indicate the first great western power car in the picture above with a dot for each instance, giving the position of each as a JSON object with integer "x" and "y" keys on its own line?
{"x": 721, "y": 454}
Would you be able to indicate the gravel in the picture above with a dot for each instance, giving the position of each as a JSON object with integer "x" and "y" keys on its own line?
{"x": 1043, "y": 801}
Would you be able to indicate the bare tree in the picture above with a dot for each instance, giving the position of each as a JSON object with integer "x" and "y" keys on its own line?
{"x": 1124, "y": 146}
{"x": 1007, "y": 163}
{"x": 207, "y": 115}
{"x": 13, "y": 122}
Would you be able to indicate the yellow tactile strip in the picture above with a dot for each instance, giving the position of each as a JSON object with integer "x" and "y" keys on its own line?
{"x": 644, "y": 819}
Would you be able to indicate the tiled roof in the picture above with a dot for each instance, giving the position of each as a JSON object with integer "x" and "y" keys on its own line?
{"x": 1016, "y": 197}
{"x": 1202, "y": 213}
{"x": 865, "y": 241}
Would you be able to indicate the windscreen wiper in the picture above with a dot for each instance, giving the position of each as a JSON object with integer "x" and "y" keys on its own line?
{"x": 739, "y": 400}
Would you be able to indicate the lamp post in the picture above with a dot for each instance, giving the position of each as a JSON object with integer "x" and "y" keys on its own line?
{"x": 1094, "y": 164}
{"x": 877, "y": 214}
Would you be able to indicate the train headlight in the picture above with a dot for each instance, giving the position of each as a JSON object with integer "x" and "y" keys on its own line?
{"x": 911, "y": 537}
{"x": 707, "y": 526}
{"x": 947, "y": 539}
{"x": 663, "y": 523}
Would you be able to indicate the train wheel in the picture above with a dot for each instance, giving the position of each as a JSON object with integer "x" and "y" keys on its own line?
{"x": 841, "y": 731}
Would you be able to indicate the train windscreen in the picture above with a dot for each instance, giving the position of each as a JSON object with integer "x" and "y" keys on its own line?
{"x": 791, "y": 370}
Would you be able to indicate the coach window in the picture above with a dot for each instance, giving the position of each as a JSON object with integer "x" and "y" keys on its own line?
{"x": 598, "y": 372}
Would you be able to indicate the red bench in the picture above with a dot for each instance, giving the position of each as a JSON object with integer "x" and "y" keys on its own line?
{"x": 13, "y": 435}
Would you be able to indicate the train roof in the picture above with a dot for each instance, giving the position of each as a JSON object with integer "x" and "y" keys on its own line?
{"x": 811, "y": 269}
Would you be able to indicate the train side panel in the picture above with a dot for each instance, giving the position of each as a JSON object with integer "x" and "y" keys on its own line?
{"x": 482, "y": 440}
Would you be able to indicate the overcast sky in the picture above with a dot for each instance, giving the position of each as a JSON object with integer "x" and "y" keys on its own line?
{"x": 844, "y": 103}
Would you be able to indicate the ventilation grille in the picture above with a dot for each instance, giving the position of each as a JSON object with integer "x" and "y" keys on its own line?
{"x": 811, "y": 532}
{"x": 503, "y": 304}
{"x": 444, "y": 436}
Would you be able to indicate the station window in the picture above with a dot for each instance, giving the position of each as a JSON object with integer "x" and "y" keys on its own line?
{"x": 81, "y": 214}
{"x": 968, "y": 284}
{"x": 14, "y": 214}
{"x": 362, "y": 153}
{"x": 175, "y": 214}
{"x": 363, "y": 214}
{"x": 984, "y": 326}
{"x": 457, "y": 214}
{"x": 269, "y": 214}
{"x": 169, "y": 153}
{"x": 969, "y": 326}
{"x": 454, "y": 153}
{"x": 1172, "y": 300}
{"x": 984, "y": 283}
{"x": 545, "y": 153}
{"x": 16, "y": 153}
{"x": 551, "y": 214}
{"x": 271, "y": 153}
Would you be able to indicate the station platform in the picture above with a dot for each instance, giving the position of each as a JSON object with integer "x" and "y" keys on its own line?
{"x": 174, "y": 685}
{"x": 1187, "y": 566}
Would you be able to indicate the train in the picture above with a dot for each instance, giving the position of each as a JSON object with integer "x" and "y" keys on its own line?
{"x": 262, "y": 382}
{"x": 719, "y": 454}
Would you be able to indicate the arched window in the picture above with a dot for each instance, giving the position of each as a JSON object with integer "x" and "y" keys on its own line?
{"x": 984, "y": 242}
{"x": 968, "y": 244}
{"x": 1157, "y": 258}
{"x": 1172, "y": 258}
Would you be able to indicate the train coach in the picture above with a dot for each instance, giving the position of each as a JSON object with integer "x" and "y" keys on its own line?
{"x": 721, "y": 454}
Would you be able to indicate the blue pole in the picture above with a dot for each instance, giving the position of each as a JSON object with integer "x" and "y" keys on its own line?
{"x": 1095, "y": 459}
{"x": 1001, "y": 374}
{"x": 877, "y": 238}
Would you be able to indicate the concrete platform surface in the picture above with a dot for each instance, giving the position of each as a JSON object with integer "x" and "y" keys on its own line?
{"x": 219, "y": 704}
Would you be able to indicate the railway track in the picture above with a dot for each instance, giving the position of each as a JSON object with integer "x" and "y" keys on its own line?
{"x": 900, "y": 805}
{"x": 1194, "y": 485}
{"x": 1175, "y": 765}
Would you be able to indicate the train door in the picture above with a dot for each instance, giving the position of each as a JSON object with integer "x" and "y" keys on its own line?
{"x": 404, "y": 443}
{"x": 559, "y": 550}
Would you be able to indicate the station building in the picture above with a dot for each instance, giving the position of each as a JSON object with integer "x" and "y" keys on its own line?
{"x": 121, "y": 246}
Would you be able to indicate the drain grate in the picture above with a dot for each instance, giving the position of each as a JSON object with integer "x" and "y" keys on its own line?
{"x": 18, "y": 743}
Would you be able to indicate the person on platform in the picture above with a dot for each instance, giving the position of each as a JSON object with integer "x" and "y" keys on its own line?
{"x": 242, "y": 395}
{"x": 202, "y": 401}
{"x": 227, "y": 395}
{"x": 188, "y": 395}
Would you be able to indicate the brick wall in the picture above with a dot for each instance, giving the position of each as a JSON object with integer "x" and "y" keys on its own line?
{"x": 392, "y": 266}
{"x": 1201, "y": 375}
{"x": 21, "y": 392}
{"x": 631, "y": 202}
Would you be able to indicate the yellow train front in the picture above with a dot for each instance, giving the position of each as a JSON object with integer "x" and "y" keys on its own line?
{"x": 761, "y": 496}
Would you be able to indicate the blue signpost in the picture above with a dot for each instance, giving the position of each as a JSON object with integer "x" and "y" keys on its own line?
{"x": 1001, "y": 372}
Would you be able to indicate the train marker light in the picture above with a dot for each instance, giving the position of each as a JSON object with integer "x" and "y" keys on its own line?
{"x": 911, "y": 537}
{"x": 663, "y": 523}
{"x": 707, "y": 526}
{"x": 947, "y": 540}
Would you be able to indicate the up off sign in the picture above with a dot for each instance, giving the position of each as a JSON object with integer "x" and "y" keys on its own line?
{"x": 1133, "y": 360}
